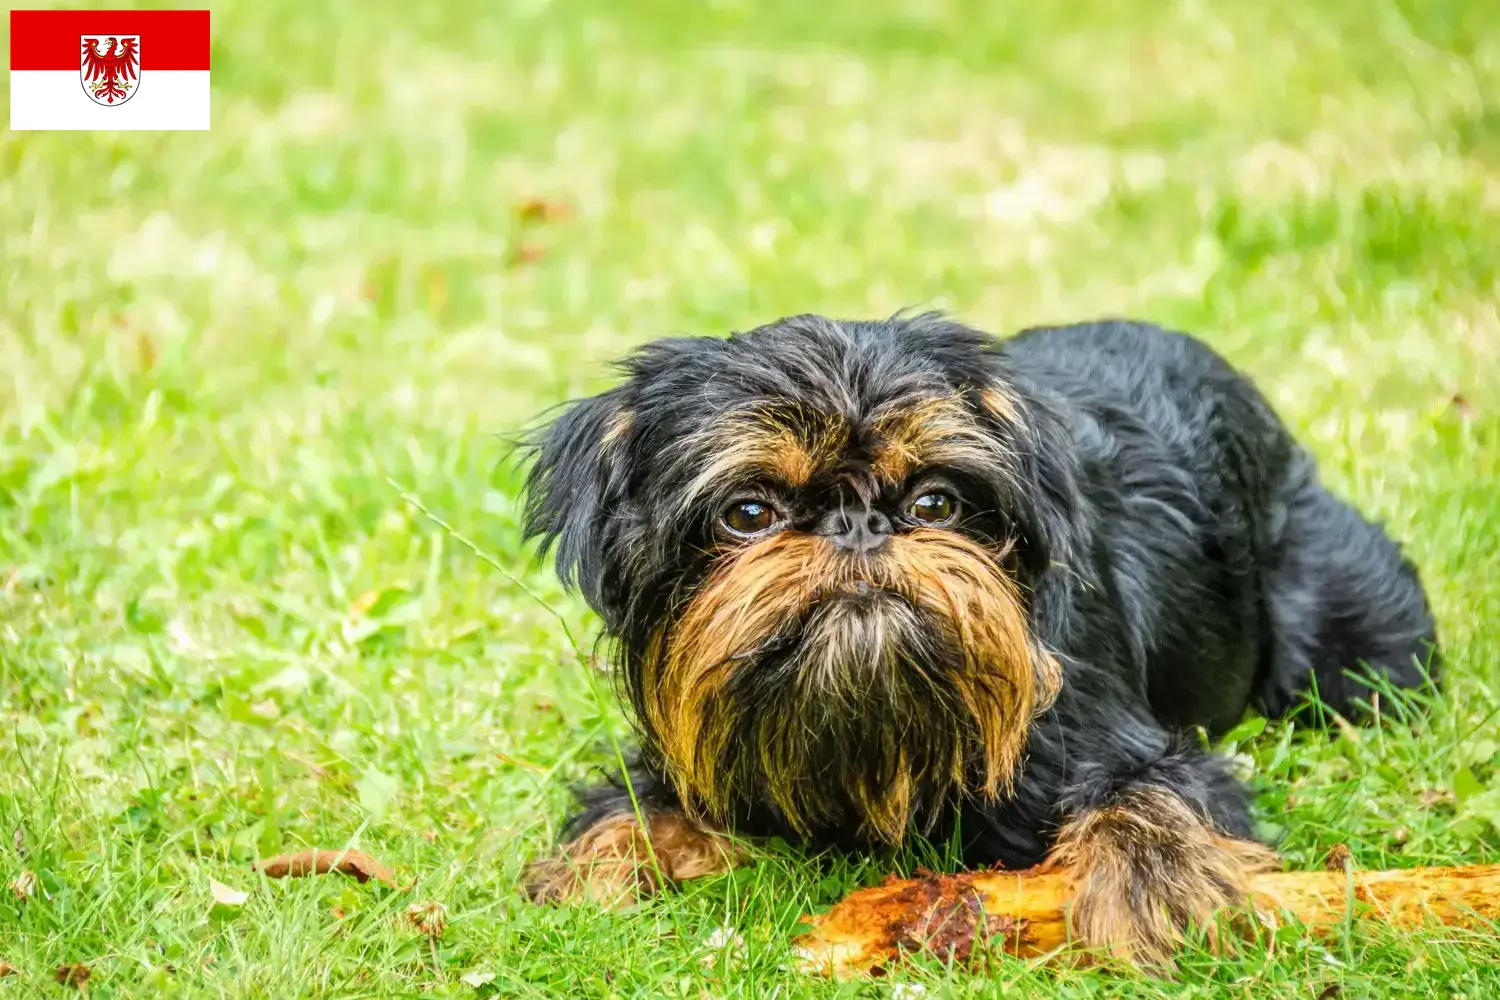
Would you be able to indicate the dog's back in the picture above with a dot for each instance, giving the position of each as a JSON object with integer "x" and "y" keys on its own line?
{"x": 1239, "y": 577}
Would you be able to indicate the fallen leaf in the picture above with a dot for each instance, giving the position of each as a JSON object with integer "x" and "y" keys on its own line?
{"x": 74, "y": 975}
{"x": 428, "y": 918}
{"x": 6, "y": 969}
{"x": 477, "y": 979}
{"x": 24, "y": 885}
{"x": 225, "y": 895}
{"x": 318, "y": 862}
{"x": 1434, "y": 796}
{"x": 1331, "y": 992}
{"x": 1339, "y": 858}
{"x": 543, "y": 210}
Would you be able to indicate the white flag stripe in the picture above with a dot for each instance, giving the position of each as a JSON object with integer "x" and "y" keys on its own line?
{"x": 54, "y": 99}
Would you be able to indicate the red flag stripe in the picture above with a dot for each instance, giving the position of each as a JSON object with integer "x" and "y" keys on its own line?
{"x": 50, "y": 39}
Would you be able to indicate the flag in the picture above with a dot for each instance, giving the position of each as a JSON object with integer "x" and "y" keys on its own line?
{"x": 108, "y": 69}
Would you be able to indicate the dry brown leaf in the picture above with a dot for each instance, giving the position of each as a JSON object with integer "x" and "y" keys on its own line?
{"x": 1339, "y": 858}
{"x": 24, "y": 885}
{"x": 543, "y": 210}
{"x": 74, "y": 974}
{"x": 318, "y": 862}
{"x": 6, "y": 969}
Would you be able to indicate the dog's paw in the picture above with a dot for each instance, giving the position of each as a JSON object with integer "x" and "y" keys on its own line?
{"x": 616, "y": 861}
{"x": 604, "y": 881}
{"x": 1147, "y": 867}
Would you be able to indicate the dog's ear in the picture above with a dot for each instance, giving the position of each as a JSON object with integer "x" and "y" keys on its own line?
{"x": 1053, "y": 507}
{"x": 1046, "y": 504}
{"x": 575, "y": 489}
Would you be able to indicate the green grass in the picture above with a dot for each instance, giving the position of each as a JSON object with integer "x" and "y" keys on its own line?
{"x": 224, "y": 633}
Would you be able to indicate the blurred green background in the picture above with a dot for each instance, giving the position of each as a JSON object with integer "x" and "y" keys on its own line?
{"x": 412, "y": 227}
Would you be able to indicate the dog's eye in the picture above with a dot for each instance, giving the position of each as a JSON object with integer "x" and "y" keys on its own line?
{"x": 932, "y": 509}
{"x": 749, "y": 517}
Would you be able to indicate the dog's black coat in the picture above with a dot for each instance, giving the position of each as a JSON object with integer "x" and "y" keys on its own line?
{"x": 1175, "y": 546}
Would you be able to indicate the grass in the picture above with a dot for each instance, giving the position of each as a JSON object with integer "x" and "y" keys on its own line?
{"x": 224, "y": 633}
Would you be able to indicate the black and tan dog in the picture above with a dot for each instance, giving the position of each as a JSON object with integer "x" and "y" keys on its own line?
{"x": 871, "y": 579}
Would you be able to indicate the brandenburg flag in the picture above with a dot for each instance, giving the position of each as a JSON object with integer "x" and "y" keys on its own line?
{"x": 108, "y": 69}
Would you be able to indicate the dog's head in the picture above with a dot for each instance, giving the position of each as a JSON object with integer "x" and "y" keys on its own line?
{"x": 812, "y": 545}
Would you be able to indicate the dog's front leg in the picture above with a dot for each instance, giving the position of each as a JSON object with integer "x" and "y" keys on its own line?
{"x": 1154, "y": 855}
{"x": 622, "y": 850}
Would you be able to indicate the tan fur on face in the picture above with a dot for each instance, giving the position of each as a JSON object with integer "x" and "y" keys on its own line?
{"x": 1000, "y": 402}
{"x": 615, "y": 861}
{"x": 1004, "y": 681}
{"x": 941, "y": 430}
{"x": 754, "y": 442}
{"x": 1145, "y": 868}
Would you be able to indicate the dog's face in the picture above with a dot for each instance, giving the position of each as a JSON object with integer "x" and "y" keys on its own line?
{"x": 812, "y": 544}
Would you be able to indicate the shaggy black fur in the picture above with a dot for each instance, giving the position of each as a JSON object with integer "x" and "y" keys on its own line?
{"x": 1171, "y": 540}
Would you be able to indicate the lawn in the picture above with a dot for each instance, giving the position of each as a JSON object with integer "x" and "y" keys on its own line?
{"x": 225, "y": 356}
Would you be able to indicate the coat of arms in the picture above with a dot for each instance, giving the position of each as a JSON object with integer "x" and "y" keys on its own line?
{"x": 111, "y": 72}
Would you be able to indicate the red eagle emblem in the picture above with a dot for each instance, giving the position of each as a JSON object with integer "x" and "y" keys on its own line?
{"x": 111, "y": 73}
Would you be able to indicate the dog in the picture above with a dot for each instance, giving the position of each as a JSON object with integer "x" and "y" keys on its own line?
{"x": 864, "y": 581}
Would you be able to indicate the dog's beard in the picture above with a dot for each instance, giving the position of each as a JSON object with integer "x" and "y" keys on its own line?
{"x": 838, "y": 688}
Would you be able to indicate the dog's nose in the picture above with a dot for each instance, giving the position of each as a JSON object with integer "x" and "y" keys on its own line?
{"x": 860, "y": 533}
